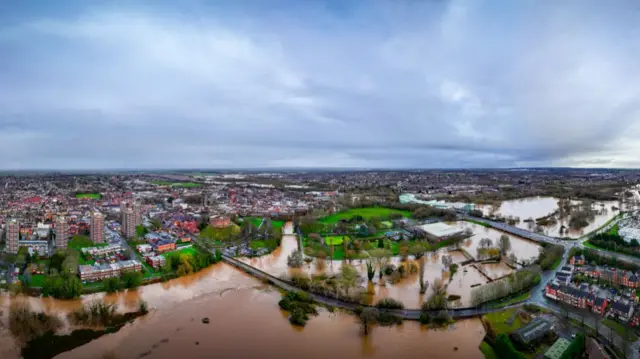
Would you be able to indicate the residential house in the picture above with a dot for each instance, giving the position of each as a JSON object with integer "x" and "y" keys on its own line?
{"x": 577, "y": 260}
{"x": 622, "y": 310}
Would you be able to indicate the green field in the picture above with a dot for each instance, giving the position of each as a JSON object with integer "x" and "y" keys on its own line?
{"x": 89, "y": 195}
{"x": 488, "y": 351}
{"x": 621, "y": 329}
{"x": 508, "y": 301}
{"x": 334, "y": 240}
{"x": 191, "y": 251}
{"x": 498, "y": 321}
{"x": 78, "y": 242}
{"x": 176, "y": 184}
{"x": 257, "y": 221}
{"x": 270, "y": 244}
{"x": 366, "y": 213}
{"x": 36, "y": 280}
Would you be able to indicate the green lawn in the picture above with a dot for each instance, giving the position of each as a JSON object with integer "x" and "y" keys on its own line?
{"x": 176, "y": 184}
{"x": 557, "y": 263}
{"x": 364, "y": 212}
{"x": 89, "y": 195}
{"x": 488, "y": 351}
{"x": 613, "y": 231}
{"x": 621, "y": 329}
{"x": 498, "y": 321}
{"x": 478, "y": 223}
{"x": 334, "y": 240}
{"x": 270, "y": 244}
{"x": 190, "y": 251}
{"x": 36, "y": 280}
{"x": 257, "y": 221}
{"x": 509, "y": 301}
{"x": 588, "y": 244}
{"x": 78, "y": 242}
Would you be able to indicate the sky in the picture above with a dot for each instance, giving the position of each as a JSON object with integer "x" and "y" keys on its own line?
{"x": 364, "y": 84}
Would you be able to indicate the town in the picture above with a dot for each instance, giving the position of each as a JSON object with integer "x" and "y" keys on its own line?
{"x": 549, "y": 266}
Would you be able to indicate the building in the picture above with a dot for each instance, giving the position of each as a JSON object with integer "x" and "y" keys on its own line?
{"x": 128, "y": 224}
{"x": 137, "y": 213}
{"x": 595, "y": 350}
{"x": 219, "y": 221}
{"x": 557, "y": 349}
{"x": 532, "y": 332}
{"x": 92, "y": 273}
{"x": 62, "y": 232}
{"x": 439, "y": 231}
{"x": 622, "y": 310}
{"x": 577, "y": 260}
{"x": 156, "y": 261}
{"x": 13, "y": 235}
{"x": 97, "y": 227}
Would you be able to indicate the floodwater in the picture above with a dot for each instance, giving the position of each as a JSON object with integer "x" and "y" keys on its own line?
{"x": 536, "y": 207}
{"x": 523, "y": 249}
{"x": 246, "y": 322}
{"x": 407, "y": 289}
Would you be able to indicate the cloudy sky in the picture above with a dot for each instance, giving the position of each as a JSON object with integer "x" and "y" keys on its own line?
{"x": 398, "y": 83}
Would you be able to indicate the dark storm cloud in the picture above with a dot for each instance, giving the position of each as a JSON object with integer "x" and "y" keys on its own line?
{"x": 369, "y": 84}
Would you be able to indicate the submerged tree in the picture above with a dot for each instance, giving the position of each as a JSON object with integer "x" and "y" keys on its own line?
{"x": 368, "y": 316}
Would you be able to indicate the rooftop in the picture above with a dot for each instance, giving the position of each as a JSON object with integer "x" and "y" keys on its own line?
{"x": 557, "y": 349}
{"x": 440, "y": 229}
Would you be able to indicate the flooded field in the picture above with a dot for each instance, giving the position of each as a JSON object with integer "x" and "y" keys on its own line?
{"x": 408, "y": 289}
{"x": 522, "y": 248}
{"x": 537, "y": 207}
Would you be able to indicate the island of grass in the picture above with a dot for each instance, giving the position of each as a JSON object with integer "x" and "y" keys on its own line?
{"x": 176, "y": 184}
{"x": 89, "y": 195}
{"x": 334, "y": 240}
{"x": 366, "y": 213}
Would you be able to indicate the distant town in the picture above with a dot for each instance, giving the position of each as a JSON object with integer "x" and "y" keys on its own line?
{"x": 548, "y": 259}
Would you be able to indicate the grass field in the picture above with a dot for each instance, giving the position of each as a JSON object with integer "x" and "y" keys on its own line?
{"x": 177, "y": 184}
{"x": 588, "y": 244}
{"x": 78, "y": 242}
{"x": 364, "y": 212}
{"x": 257, "y": 221}
{"x": 509, "y": 301}
{"x": 270, "y": 244}
{"x": 89, "y": 195}
{"x": 488, "y": 351}
{"x": 190, "y": 251}
{"x": 614, "y": 230}
{"x": 498, "y": 321}
{"x": 334, "y": 240}
{"x": 621, "y": 329}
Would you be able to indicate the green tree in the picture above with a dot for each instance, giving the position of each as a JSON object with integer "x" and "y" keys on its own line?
{"x": 112, "y": 285}
{"x": 368, "y": 316}
{"x": 348, "y": 277}
{"x": 505, "y": 349}
{"x": 141, "y": 231}
{"x": 131, "y": 279}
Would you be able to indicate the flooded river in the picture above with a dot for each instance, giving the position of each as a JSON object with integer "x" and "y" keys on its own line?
{"x": 247, "y": 323}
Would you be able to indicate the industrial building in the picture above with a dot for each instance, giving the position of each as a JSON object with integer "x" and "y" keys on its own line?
{"x": 439, "y": 231}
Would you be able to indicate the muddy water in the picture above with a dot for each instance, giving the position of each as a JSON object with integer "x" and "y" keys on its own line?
{"x": 536, "y": 207}
{"x": 522, "y": 248}
{"x": 247, "y": 323}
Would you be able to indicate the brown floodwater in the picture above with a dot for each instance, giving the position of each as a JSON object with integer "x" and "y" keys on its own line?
{"x": 246, "y": 321}
{"x": 523, "y": 249}
{"x": 536, "y": 207}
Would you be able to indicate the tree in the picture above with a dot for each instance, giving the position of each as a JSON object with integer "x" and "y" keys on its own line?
{"x": 381, "y": 257}
{"x": 141, "y": 231}
{"x": 504, "y": 244}
{"x": 348, "y": 277}
{"x": 505, "y": 349}
{"x": 132, "y": 279}
{"x": 423, "y": 284}
{"x": 368, "y": 316}
{"x": 295, "y": 259}
{"x": 112, "y": 285}
{"x": 371, "y": 270}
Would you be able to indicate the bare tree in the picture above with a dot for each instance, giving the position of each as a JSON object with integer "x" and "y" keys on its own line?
{"x": 504, "y": 244}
